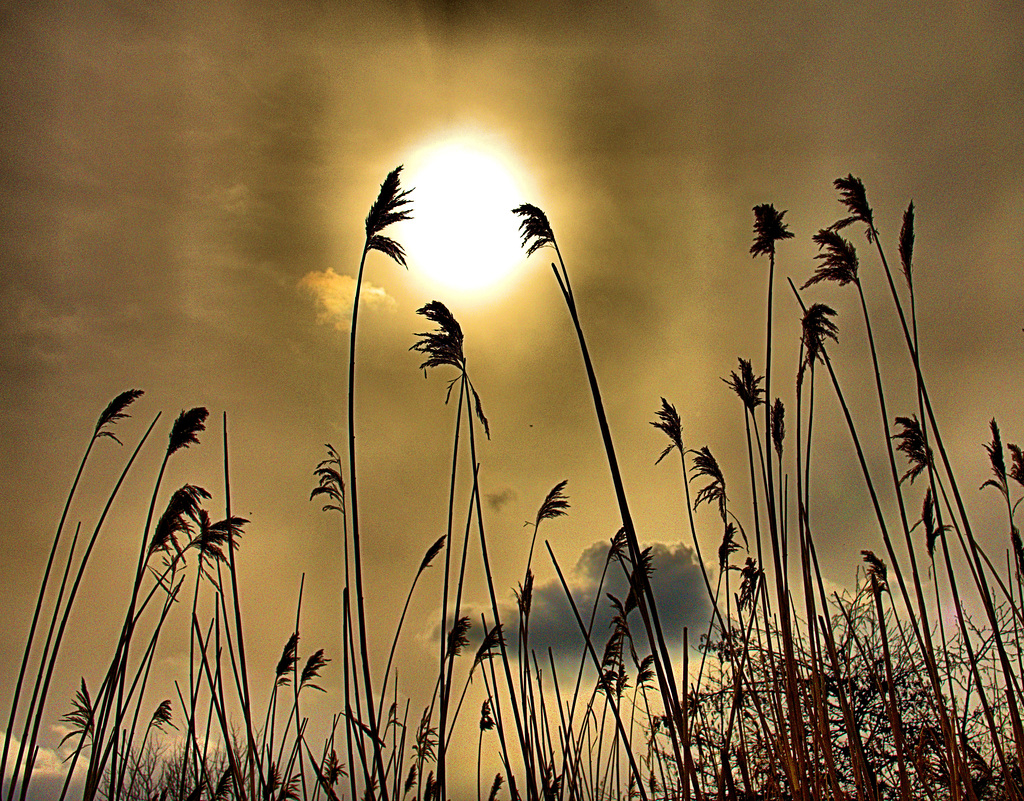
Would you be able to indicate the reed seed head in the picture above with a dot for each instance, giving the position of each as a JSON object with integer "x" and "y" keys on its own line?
{"x": 619, "y": 545}
{"x": 225, "y": 785}
{"x": 996, "y": 460}
{"x": 162, "y": 716}
{"x": 314, "y": 664}
{"x": 458, "y": 637}
{"x": 183, "y": 510}
{"x": 332, "y": 769}
{"x": 478, "y": 407}
{"x": 817, "y": 327}
{"x": 555, "y": 504}
{"x": 524, "y": 595}
{"x": 728, "y": 547}
{"x": 486, "y": 721}
{"x": 706, "y": 466}
{"x": 876, "y": 570}
{"x": 907, "y": 245}
{"x": 778, "y": 425}
{"x": 495, "y": 787}
{"x": 116, "y": 411}
{"x": 838, "y": 259}
{"x": 289, "y": 658}
{"x": 388, "y": 208}
{"x": 668, "y": 421}
{"x": 331, "y": 484}
{"x": 491, "y": 644}
{"x": 750, "y": 584}
{"x": 911, "y": 442}
{"x": 534, "y": 229}
{"x": 646, "y": 674}
{"x": 213, "y": 538}
{"x": 768, "y": 229}
{"x": 432, "y": 551}
{"x": 746, "y": 386}
{"x": 853, "y": 195}
{"x": 444, "y": 344}
{"x": 81, "y": 716}
{"x": 1016, "y": 463}
{"x": 186, "y": 429}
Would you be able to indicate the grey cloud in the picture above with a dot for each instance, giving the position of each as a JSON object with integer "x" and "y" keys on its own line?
{"x": 678, "y": 588}
{"x": 499, "y": 500}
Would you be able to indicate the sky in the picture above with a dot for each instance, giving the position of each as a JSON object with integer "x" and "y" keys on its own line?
{"x": 182, "y": 201}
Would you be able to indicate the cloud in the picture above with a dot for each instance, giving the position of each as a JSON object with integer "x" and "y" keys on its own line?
{"x": 48, "y": 773}
{"x": 678, "y": 589}
{"x": 499, "y": 500}
{"x": 334, "y": 293}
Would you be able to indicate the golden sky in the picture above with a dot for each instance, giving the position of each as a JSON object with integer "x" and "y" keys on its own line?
{"x": 177, "y": 183}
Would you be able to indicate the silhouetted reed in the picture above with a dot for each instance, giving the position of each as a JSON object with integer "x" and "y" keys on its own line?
{"x": 799, "y": 692}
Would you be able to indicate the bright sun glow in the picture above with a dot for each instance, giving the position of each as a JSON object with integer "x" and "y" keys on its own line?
{"x": 463, "y": 233}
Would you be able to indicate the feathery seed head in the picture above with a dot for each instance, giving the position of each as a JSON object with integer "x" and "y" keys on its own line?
{"x": 534, "y": 229}
{"x": 331, "y": 483}
{"x": 289, "y": 658}
{"x": 314, "y": 664}
{"x": 486, "y": 721}
{"x": 332, "y": 769}
{"x": 388, "y": 208}
{"x": 705, "y": 465}
{"x": 778, "y": 425}
{"x": 911, "y": 442}
{"x": 555, "y": 504}
{"x": 491, "y": 643}
{"x": 432, "y": 551}
{"x": 817, "y": 327}
{"x": 524, "y": 595}
{"x": 495, "y": 787}
{"x": 907, "y": 245}
{"x": 182, "y": 511}
{"x": 996, "y": 460}
{"x": 729, "y": 545}
{"x": 116, "y": 411}
{"x": 213, "y": 537}
{"x": 1017, "y": 463}
{"x": 162, "y": 715}
{"x": 619, "y": 545}
{"x": 750, "y": 584}
{"x": 838, "y": 261}
{"x": 478, "y": 407}
{"x": 186, "y": 428}
{"x": 458, "y": 637}
{"x": 668, "y": 421}
{"x": 225, "y": 784}
{"x": 746, "y": 386}
{"x": 444, "y": 345}
{"x": 81, "y": 716}
{"x": 853, "y": 195}
{"x": 768, "y": 229}
{"x": 646, "y": 674}
{"x": 876, "y": 570}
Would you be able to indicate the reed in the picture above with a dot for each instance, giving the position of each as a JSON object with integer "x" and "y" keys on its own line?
{"x": 797, "y": 691}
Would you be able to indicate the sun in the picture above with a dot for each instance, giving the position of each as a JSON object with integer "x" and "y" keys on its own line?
{"x": 463, "y": 233}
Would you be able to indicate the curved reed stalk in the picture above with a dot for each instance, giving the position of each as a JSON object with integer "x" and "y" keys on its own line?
{"x": 388, "y": 208}
{"x": 537, "y": 233}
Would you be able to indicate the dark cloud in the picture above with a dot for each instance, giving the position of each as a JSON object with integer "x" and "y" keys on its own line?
{"x": 678, "y": 589}
{"x": 499, "y": 500}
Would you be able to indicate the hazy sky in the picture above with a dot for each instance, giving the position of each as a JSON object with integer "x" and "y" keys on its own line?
{"x": 175, "y": 179}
